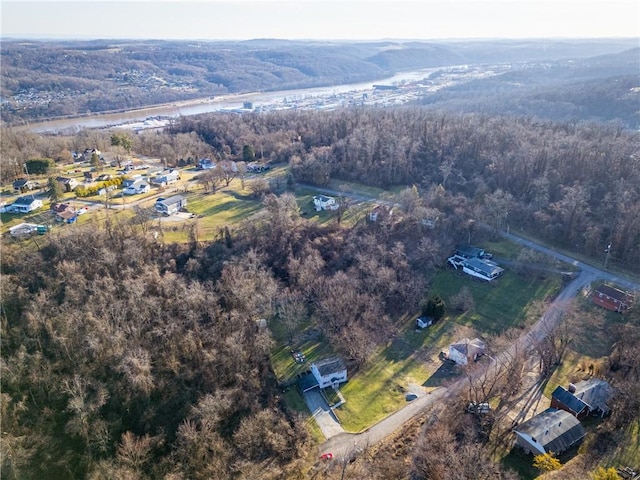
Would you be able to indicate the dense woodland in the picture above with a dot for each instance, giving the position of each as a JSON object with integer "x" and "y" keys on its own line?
{"x": 124, "y": 357}
{"x": 602, "y": 89}
{"x": 574, "y": 185}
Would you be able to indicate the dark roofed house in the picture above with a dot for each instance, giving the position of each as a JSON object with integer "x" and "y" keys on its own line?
{"x": 330, "y": 372}
{"x": 469, "y": 251}
{"x": 25, "y": 204}
{"x": 482, "y": 269}
{"x": 588, "y": 397}
{"x": 63, "y": 211}
{"x": 612, "y": 298}
{"x": 565, "y": 400}
{"x": 23, "y": 185}
{"x": 550, "y": 431}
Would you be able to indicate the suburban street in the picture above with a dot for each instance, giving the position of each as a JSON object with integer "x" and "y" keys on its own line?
{"x": 345, "y": 445}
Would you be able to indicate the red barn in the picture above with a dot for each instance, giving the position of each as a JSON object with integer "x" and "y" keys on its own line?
{"x": 612, "y": 298}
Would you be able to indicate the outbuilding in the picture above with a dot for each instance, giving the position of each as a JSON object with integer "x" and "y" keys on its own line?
{"x": 612, "y": 298}
{"x": 550, "y": 431}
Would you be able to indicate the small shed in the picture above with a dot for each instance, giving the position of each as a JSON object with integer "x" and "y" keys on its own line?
{"x": 423, "y": 322}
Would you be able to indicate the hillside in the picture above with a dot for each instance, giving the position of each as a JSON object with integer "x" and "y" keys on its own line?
{"x": 42, "y": 80}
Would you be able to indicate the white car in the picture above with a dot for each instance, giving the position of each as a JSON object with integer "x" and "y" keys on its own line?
{"x": 82, "y": 210}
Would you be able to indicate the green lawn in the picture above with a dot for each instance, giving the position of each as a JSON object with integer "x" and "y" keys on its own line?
{"x": 284, "y": 365}
{"x": 628, "y": 452}
{"x": 378, "y": 389}
{"x": 499, "y": 304}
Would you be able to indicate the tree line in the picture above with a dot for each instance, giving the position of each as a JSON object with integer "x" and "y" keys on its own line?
{"x": 575, "y": 185}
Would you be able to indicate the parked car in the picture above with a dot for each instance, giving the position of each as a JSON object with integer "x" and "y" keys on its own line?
{"x": 82, "y": 210}
{"x": 480, "y": 408}
{"x": 326, "y": 456}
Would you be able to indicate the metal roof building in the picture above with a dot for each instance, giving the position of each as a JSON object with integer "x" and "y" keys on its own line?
{"x": 551, "y": 431}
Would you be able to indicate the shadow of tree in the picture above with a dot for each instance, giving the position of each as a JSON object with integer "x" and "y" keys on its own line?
{"x": 445, "y": 373}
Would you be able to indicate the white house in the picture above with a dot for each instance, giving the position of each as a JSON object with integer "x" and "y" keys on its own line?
{"x": 67, "y": 183}
{"x": 171, "y": 205}
{"x": 165, "y": 178}
{"x": 482, "y": 269}
{"x": 423, "y": 322}
{"x": 206, "y": 164}
{"x": 464, "y": 350}
{"x": 550, "y": 431}
{"x": 137, "y": 187}
{"x": 330, "y": 372}
{"x": 25, "y": 204}
{"x": 322, "y": 202}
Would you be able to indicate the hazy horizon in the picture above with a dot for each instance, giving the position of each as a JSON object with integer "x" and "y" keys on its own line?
{"x": 353, "y": 20}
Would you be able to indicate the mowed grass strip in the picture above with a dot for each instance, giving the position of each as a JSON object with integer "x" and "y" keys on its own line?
{"x": 499, "y": 304}
{"x": 223, "y": 207}
{"x": 378, "y": 390}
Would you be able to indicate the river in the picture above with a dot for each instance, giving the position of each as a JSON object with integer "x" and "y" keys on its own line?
{"x": 157, "y": 116}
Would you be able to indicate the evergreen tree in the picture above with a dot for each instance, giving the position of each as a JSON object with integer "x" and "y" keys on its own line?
{"x": 435, "y": 308}
{"x": 54, "y": 192}
{"x": 95, "y": 161}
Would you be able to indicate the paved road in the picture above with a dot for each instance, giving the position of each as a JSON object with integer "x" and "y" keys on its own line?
{"x": 590, "y": 269}
{"x": 345, "y": 444}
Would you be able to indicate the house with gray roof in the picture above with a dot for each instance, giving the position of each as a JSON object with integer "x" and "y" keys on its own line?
{"x": 550, "y": 431}
{"x": 481, "y": 268}
{"x": 466, "y": 350}
{"x": 583, "y": 398}
{"x": 330, "y": 372}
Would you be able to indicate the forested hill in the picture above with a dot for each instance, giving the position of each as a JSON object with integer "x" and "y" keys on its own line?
{"x": 49, "y": 79}
{"x": 603, "y": 88}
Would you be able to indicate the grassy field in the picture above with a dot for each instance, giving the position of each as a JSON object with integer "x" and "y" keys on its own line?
{"x": 411, "y": 358}
{"x": 498, "y": 305}
{"x": 378, "y": 389}
{"x": 591, "y": 344}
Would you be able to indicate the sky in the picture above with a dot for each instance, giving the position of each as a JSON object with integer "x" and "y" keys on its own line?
{"x": 322, "y": 20}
